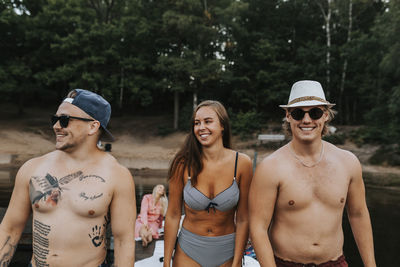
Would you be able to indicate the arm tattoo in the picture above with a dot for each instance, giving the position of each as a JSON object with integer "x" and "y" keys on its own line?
{"x": 7, "y": 252}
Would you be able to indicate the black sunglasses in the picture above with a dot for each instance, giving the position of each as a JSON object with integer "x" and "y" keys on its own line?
{"x": 315, "y": 113}
{"x": 64, "y": 120}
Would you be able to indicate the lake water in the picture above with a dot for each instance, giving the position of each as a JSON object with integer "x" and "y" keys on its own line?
{"x": 383, "y": 204}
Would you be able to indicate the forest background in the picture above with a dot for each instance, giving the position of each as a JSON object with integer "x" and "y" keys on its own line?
{"x": 164, "y": 56}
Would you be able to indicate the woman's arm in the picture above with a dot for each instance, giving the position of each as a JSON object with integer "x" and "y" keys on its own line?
{"x": 144, "y": 208}
{"x": 242, "y": 214}
{"x": 173, "y": 215}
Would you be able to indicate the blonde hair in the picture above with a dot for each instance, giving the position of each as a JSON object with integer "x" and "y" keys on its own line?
{"x": 163, "y": 199}
{"x": 325, "y": 130}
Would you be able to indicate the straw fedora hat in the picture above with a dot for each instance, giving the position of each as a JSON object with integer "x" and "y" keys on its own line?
{"x": 306, "y": 93}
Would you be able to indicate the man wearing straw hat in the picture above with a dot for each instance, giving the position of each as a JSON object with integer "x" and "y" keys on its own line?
{"x": 73, "y": 192}
{"x": 298, "y": 193}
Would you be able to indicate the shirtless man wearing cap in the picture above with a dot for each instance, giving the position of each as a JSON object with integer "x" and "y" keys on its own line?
{"x": 298, "y": 193}
{"x": 73, "y": 192}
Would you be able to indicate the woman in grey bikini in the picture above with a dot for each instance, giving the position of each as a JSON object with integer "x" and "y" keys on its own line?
{"x": 212, "y": 181}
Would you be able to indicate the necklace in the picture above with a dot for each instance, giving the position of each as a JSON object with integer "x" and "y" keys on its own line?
{"x": 302, "y": 163}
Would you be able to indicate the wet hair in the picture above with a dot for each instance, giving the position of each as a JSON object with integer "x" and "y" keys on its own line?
{"x": 163, "y": 199}
{"x": 325, "y": 130}
{"x": 190, "y": 154}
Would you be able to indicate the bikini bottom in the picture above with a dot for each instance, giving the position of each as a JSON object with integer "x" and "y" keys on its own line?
{"x": 208, "y": 251}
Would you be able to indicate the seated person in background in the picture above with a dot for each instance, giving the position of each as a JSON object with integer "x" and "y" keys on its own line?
{"x": 152, "y": 212}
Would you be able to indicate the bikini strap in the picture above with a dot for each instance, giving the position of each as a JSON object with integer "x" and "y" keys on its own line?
{"x": 234, "y": 176}
{"x": 189, "y": 172}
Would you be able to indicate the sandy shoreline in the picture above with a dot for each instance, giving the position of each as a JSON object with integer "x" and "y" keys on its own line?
{"x": 137, "y": 146}
{"x": 134, "y": 150}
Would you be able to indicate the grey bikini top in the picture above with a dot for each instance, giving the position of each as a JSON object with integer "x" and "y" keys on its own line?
{"x": 224, "y": 201}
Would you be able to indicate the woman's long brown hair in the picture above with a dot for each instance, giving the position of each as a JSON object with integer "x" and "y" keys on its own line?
{"x": 190, "y": 154}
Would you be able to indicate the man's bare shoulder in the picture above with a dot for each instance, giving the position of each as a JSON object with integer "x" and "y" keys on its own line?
{"x": 40, "y": 159}
{"x": 345, "y": 156}
{"x": 272, "y": 168}
{"x": 30, "y": 165}
{"x": 119, "y": 172}
{"x": 275, "y": 159}
{"x": 243, "y": 158}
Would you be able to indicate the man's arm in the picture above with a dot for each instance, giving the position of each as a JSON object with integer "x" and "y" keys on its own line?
{"x": 123, "y": 215}
{"x": 262, "y": 198}
{"x": 242, "y": 214}
{"x": 358, "y": 214}
{"x": 173, "y": 215}
{"x": 17, "y": 214}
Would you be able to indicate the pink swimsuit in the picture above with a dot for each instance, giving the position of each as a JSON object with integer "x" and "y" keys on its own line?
{"x": 150, "y": 214}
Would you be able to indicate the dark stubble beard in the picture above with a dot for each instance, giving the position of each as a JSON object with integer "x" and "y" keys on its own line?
{"x": 65, "y": 147}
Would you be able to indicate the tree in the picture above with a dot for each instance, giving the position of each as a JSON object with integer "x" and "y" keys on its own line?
{"x": 15, "y": 65}
{"x": 191, "y": 59}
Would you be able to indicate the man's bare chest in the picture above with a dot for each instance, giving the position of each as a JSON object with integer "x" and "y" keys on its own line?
{"x": 86, "y": 193}
{"x": 306, "y": 188}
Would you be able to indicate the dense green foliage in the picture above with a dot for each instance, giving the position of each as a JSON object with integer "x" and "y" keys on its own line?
{"x": 245, "y": 53}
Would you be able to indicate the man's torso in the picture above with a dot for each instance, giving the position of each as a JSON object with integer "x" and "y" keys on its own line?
{"x": 307, "y": 221}
{"x": 70, "y": 212}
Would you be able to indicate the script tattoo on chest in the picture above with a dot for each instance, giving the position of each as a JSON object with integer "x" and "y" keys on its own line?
{"x": 92, "y": 176}
{"x": 40, "y": 244}
{"x": 49, "y": 187}
{"x": 85, "y": 197}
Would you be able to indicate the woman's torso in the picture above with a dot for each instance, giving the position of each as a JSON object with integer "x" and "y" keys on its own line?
{"x": 210, "y": 205}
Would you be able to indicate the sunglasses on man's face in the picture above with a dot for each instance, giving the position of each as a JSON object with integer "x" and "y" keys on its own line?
{"x": 314, "y": 113}
{"x": 64, "y": 120}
